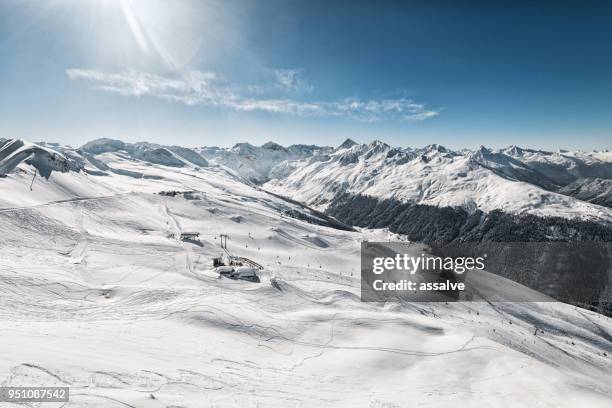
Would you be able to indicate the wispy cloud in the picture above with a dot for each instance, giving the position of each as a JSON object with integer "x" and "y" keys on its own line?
{"x": 291, "y": 80}
{"x": 208, "y": 89}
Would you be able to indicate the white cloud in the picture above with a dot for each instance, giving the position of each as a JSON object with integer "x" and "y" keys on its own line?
{"x": 208, "y": 89}
{"x": 291, "y": 80}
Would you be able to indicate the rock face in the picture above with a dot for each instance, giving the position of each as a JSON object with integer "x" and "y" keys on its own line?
{"x": 347, "y": 144}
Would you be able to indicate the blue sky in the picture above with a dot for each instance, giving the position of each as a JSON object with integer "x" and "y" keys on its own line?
{"x": 456, "y": 73}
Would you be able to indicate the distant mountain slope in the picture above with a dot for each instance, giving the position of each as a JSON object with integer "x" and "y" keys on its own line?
{"x": 106, "y": 168}
{"x": 482, "y": 180}
{"x": 594, "y": 190}
{"x": 174, "y": 156}
{"x": 564, "y": 167}
{"x": 514, "y": 181}
{"x": 257, "y": 164}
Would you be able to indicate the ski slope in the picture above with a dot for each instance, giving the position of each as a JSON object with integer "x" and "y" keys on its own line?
{"x": 98, "y": 294}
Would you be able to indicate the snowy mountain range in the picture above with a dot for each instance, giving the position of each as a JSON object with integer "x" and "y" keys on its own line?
{"x": 458, "y": 194}
{"x": 92, "y": 264}
{"x": 513, "y": 180}
{"x": 516, "y": 181}
{"x": 429, "y": 195}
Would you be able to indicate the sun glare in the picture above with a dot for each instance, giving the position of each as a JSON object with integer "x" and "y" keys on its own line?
{"x": 134, "y": 25}
{"x": 142, "y": 32}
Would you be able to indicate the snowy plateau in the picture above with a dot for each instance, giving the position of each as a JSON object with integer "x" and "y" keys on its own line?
{"x": 101, "y": 293}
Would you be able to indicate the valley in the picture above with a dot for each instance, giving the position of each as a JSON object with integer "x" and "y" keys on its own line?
{"x": 99, "y": 294}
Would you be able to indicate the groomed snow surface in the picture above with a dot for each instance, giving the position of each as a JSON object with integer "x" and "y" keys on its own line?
{"x": 99, "y": 295}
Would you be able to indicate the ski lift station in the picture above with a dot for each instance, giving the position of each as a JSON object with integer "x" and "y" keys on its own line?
{"x": 189, "y": 236}
{"x": 235, "y": 267}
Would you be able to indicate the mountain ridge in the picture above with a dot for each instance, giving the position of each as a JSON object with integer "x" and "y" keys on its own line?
{"x": 513, "y": 179}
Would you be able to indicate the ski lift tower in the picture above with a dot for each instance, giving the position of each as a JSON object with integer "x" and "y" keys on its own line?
{"x": 224, "y": 238}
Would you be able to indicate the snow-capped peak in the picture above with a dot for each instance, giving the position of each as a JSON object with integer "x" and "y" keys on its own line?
{"x": 434, "y": 175}
{"x": 435, "y": 148}
{"x": 274, "y": 146}
{"x": 347, "y": 144}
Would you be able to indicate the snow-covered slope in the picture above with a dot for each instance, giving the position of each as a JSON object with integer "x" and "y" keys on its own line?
{"x": 483, "y": 179}
{"x": 14, "y": 152}
{"x": 99, "y": 295}
{"x": 593, "y": 190}
{"x": 564, "y": 167}
{"x": 259, "y": 163}
{"x": 174, "y": 156}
